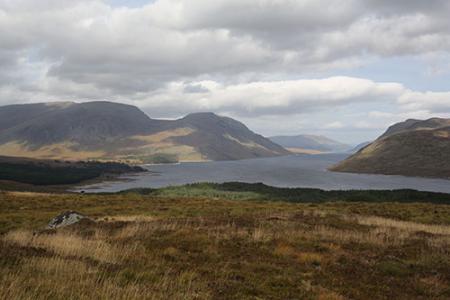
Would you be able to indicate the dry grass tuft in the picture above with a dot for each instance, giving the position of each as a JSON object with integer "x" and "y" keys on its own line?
{"x": 329, "y": 295}
{"x": 69, "y": 245}
{"x": 260, "y": 235}
{"x": 309, "y": 258}
{"x": 131, "y": 219}
{"x": 405, "y": 226}
{"x": 284, "y": 250}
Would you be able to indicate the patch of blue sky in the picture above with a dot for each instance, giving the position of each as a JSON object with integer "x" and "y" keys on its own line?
{"x": 415, "y": 73}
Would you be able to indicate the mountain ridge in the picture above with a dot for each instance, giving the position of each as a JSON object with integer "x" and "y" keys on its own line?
{"x": 414, "y": 124}
{"x": 309, "y": 142}
{"x": 113, "y": 131}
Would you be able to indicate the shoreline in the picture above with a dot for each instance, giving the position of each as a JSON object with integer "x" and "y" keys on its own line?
{"x": 276, "y": 172}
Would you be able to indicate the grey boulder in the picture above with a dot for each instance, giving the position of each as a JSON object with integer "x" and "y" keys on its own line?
{"x": 65, "y": 219}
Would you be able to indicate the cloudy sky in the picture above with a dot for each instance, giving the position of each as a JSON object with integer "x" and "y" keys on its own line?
{"x": 344, "y": 68}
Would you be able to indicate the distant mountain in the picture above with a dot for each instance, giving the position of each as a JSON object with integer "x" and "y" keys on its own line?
{"x": 410, "y": 148}
{"x": 310, "y": 143}
{"x": 112, "y": 131}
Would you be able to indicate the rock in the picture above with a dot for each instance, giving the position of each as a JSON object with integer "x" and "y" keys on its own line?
{"x": 65, "y": 219}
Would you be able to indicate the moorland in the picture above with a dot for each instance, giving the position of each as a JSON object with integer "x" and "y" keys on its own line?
{"x": 230, "y": 241}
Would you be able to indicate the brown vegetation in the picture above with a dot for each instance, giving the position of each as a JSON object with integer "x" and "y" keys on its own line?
{"x": 420, "y": 152}
{"x": 146, "y": 247}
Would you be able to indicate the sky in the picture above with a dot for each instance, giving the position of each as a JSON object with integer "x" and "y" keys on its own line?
{"x": 345, "y": 68}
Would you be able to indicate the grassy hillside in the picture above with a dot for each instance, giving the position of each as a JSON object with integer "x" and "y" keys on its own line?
{"x": 421, "y": 152}
{"x": 160, "y": 246}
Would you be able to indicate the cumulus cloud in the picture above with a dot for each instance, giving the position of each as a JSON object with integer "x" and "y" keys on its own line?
{"x": 131, "y": 50}
{"x": 431, "y": 101}
{"x": 272, "y": 97}
{"x": 334, "y": 125}
{"x": 241, "y": 57}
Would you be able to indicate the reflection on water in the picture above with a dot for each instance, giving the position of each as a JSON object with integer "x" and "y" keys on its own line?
{"x": 287, "y": 171}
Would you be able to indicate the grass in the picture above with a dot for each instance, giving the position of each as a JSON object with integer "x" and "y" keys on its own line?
{"x": 195, "y": 242}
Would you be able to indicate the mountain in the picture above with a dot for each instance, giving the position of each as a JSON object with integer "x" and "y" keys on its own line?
{"x": 359, "y": 147}
{"x": 88, "y": 124}
{"x": 113, "y": 131}
{"x": 222, "y": 138}
{"x": 412, "y": 124}
{"x": 410, "y": 148}
{"x": 309, "y": 144}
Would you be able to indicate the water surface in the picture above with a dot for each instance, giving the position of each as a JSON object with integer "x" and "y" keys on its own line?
{"x": 287, "y": 171}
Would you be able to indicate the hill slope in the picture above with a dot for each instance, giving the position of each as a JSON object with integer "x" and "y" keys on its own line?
{"x": 310, "y": 143}
{"x": 411, "y": 148}
{"x": 112, "y": 131}
{"x": 359, "y": 147}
